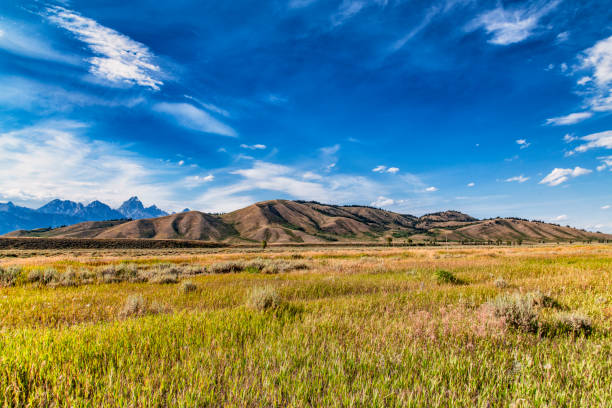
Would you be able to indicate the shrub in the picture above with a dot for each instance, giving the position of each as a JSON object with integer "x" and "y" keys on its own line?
{"x": 187, "y": 287}
{"x": 263, "y": 298}
{"x": 10, "y": 275}
{"x": 541, "y": 300}
{"x": 135, "y": 305}
{"x": 501, "y": 283}
{"x": 68, "y": 278}
{"x": 517, "y": 311}
{"x": 443, "y": 276}
{"x": 164, "y": 278}
{"x": 226, "y": 267}
{"x": 574, "y": 322}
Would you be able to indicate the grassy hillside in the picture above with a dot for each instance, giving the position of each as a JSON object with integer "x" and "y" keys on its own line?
{"x": 344, "y": 327}
{"x": 299, "y": 222}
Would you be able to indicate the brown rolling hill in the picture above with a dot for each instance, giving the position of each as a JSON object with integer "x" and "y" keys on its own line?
{"x": 285, "y": 221}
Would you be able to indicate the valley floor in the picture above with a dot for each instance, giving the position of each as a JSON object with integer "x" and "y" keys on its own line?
{"x": 461, "y": 326}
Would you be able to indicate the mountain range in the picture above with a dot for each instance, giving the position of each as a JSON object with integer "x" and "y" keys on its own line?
{"x": 64, "y": 212}
{"x": 285, "y": 221}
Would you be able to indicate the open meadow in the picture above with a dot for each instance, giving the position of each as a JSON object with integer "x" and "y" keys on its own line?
{"x": 429, "y": 326}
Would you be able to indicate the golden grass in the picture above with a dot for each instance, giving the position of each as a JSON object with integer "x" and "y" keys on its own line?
{"x": 360, "y": 327}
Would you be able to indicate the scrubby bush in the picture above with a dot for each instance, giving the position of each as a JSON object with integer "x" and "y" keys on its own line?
{"x": 226, "y": 267}
{"x": 539, "y": 299}
{"x": 263, "y": 298}
{"x": 517, "y": 311}
{"x": 120, "y": 273}
{"x": 187, "y": 287}
{"x": 135, "y": 305}
{"x": 10, "y": 275}
{"x": 165, "y": 278}
{"x": 574, "y": 322}
{"x": 443, "y": 276}
{"x": 269, "y": 266}
{"x": 501, "y": 283}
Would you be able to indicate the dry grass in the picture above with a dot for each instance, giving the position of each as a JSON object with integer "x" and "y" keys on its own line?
{"x": 357, "y": 327}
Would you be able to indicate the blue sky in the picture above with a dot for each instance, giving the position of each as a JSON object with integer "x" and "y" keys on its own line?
{"x": 491, "y": 108}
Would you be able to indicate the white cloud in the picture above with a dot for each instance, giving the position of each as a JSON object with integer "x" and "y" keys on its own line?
{"x": 385, "y": 169}
{"x": 20, "y": 38}
{"x": 509, "y": 26}
{"x": 523, "y": 143}
{"x": 194, "y": 181}
{"x": 181, "y": 162}
{"x": 25, "y": 93}
{"x": 309, "y": 175}
{"x": 330, "y": 150}
{"x": 606, "y": 162}
{"x": 584, "y": 80}
{"x": 271, "y": 177}
{"x": 119, "y": 58}
{"x": 562, "y": 217}
{"x": 253, "y": 147}
{"x": 558, "y": 175}
{"x": 382, "y": 201}
{"x": 568, "y": 138}
{"x": 53, "y": 160}
{"x": 596, "y": 140}
{"x": 431, "y": 189}
{"x": 190, "y": 117}
{"x": 520, "y": 179}
{"x": 598, "y": 61}
{"x": 471, "y": 184}
{"x": 562, "y": 37}
{"x": 570, "y": 119}
{"x": 605, "y": 207}
{"x": 209, "y": 106}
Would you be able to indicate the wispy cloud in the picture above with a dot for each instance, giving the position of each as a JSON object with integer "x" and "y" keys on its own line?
{"x": 568, "y": 138}
{"x": 523, "y": 143}
{"x": 41, "y": 98}
{"x": 561, "y": 217}
{"x": 519, "y": 179}
{"x": 509, "y": 26}
{"x": 559, "y": 176}
{"x": 190, "y": 117}
{"x": 19, "y": 38}
{"x": 209, "y": 106}
{"x": 330, "y": 150}
{"x": 197, "y": 180}
{"x": 598, "y": 61}
{"x": 382, "y": 202}
{"x": 472, "y": 184}
{"x": 271, "y": 177}
{"x": 431, "y": 189}
{"x": 570, "y": 119}
{"x": 595, "y": 141}
{"x": 253, "y": 147}
{"x": 30, "y": 164}
{"x": 606, "y": 163}
{"x": 606, "y": 207}
{"x": 385, "y": 169}
{"x": 118, "y": 57}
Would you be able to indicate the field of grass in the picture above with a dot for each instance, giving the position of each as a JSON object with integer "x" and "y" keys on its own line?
{"x": 475, "y": 327}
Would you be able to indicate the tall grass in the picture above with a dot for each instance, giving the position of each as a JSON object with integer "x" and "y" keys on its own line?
{"x": 365, "y": 327}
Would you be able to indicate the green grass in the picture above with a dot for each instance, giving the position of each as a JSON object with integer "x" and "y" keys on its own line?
{"x": 364, "y": 328}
